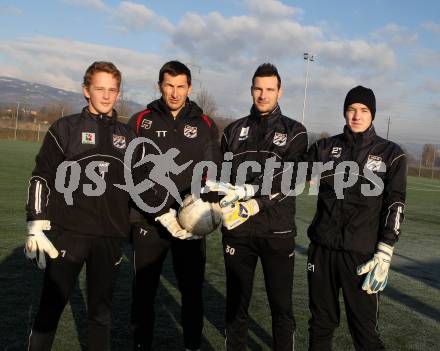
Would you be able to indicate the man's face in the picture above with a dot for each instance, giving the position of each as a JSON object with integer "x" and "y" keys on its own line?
{"x": 358, "y": 117}
{"x": 102, "y": 93}
{"x": 265, "y": 93}
{"x": 174, "y": 91}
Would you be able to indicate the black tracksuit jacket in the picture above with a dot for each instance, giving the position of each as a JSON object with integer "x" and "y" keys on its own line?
{"x": 357, "y": 222}
{"x": 193, "y": 133}
{"x": 82, "y": 138}
{"x": 258, "y": 138}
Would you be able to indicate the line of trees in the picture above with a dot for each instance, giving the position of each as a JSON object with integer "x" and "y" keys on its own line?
{"x": 55, "y": 109}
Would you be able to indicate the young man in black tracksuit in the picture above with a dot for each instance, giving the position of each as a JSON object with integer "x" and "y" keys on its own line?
{"x": 355, "y": 227}
{"x": 88, "y": 216}
{"x": 173, "y": 121}
{"x": 258, "y": 224}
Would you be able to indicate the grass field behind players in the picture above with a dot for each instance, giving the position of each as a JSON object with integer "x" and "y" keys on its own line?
{"x": 410, "y": 307}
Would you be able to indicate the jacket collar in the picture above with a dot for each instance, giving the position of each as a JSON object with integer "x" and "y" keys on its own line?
{"x": 271, "y": 116}
{"x": 362, "y": 138}
{"x": 85, "y": 113}
{"x": 191, "y": 109}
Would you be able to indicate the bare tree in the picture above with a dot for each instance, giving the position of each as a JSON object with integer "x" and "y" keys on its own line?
{"x": 122, "y": 106}
{"x": 313, "y": 137}
{"x": 54, "y": 110}
{"x": 324, "y": 135}
{"x": 428, "y": 155}
{"x": 206, "y": 102}
{"x": 155, "y": 91}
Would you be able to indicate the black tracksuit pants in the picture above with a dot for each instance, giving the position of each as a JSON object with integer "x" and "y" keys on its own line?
{"x": 277, "y": 257}
{"x": 102, "y": 256}
{"x": 151, "y": 245}
{"x": 329, "y": 271}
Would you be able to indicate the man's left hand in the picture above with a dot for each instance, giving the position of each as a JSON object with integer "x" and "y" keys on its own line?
{"x": 238, "y": 213}
{"x": 377, "y": 269}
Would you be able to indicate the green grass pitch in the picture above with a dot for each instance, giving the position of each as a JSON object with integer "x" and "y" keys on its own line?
{"x": 410, "y": 305}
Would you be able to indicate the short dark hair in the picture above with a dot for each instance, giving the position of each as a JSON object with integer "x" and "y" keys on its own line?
{"x": 175, "y": 68}
{"x": 101, "y": 66}
{"x": 267, "y": 70}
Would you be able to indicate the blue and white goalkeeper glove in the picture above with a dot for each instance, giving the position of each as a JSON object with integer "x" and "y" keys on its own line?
{"x": 377, "y": 269}
{"x": 37, "y": 244}
{"x": 233, "y": 193}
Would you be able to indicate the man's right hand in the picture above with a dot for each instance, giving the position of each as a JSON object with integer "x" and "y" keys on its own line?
{"x": 169, "y": 221}
{"x": 37, "y": 244}
{"x": 233, "y": 193}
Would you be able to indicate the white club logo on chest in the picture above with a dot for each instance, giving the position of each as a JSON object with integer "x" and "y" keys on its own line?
{"x": 280, "y": 139}
{"x": 244, "y": 133}
{"x": 374, "y": 163}
{"x": 119, "y": 141}
{"x": 190, "y": 131}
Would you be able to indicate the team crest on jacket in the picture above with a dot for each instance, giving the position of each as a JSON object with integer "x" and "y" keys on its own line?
{"x": 244, "y": 133}
{"x": 336, "y": 152}
{"x": 280, "y": 139}
{"x": 87, "y": 138}
{"x": 119, "y": 141}
{"x": 146, "y": 124}
{"x": 374, "y": 163}
{"x": 189, "y": 131}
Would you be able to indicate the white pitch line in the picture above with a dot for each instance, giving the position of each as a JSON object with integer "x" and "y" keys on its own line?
{"x": 427, "y": 185}
{"x": 428, "y": 190}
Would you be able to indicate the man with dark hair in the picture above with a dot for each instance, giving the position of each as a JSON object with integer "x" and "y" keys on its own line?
{"x": 267, "y": 70}
{"x": 173, "y": 121}
{"x": 258, "y": 225}
{"x": 355, "y": 228}
{"x": 88, "y": 228}
{"x": 175, "y": 68}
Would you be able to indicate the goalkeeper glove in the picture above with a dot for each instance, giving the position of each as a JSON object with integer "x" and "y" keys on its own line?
{"x": 169, "y": 221}
{"x": 377, "y": 269}
{"x": 37, "y": 243}
{"x": 238, "y": 213}
{"x": 233, "y": 193}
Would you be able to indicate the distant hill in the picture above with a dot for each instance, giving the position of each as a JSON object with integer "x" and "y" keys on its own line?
{"x": 35, "y": 95}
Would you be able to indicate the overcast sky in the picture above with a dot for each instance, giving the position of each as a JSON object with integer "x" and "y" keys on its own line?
{"x": 390, "y": 46}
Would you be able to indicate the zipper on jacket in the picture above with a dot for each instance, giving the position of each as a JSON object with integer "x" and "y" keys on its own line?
{"x": 103, "y": 143}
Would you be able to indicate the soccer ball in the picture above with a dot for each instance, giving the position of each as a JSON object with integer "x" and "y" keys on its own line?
{"x": 199, "y": 217}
